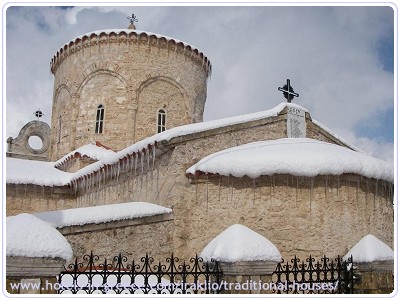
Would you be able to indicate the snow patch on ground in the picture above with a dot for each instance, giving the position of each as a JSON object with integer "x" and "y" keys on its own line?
{"x": 297, "y": 156}
{"x": 101, "y": 214}
{"x": 370, "y": 249}
{"x": 29, "y": 236}
{"x": 239, "y": 243}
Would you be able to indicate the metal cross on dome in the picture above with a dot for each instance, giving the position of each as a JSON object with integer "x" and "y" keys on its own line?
{"x": 132, "y": 19}
{"x": 288, "y": 91}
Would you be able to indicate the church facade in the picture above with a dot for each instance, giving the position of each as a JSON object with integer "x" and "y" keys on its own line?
{"x": 127, "y": 127}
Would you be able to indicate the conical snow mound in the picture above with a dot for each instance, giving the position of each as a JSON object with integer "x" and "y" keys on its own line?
{"x": 239, "y": 243}
{"x": 29, "y": 236}
{"x": 370, "y": 249}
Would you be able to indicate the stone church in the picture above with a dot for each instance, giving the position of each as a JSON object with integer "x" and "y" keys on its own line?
{"x": 127, "y": 127}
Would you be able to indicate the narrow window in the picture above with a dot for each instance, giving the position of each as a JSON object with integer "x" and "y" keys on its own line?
{"x": 161, "y": 121}
{"x": 99, "y": 119}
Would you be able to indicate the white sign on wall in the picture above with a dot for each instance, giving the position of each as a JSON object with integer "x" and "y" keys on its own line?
{"x": 296, "y": 123}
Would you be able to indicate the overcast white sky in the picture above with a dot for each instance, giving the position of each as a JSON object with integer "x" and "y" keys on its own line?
{"x": 339, "y": 59}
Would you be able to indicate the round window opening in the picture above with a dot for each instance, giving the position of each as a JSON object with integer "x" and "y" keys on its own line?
{"x": 35, "y": 142}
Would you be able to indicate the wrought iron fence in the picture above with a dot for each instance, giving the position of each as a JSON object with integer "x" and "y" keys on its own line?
{"x": 144, "y": 277}
{"x": 323, "y": 276}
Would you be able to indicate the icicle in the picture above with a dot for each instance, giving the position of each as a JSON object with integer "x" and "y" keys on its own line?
{"x": 270, "y": 187}
{"x": 219, "y": 188}
{"x": 297, "y": 189}
{"x": 376, "y": 191}
{"x": 337, "y": 187}
{"x": 146, "y": 186}
{"x": 232, "y": 191}
{"x": 136, "y": 162}
{"x": 148, "y": 158}
{"x": 130, "y": 163}
{"x": 158, "y": 179}
{"x": 287, "y": 186}
{"x": 273, "y": 183}
{"x": 141, "y": 163}
{"x": 118, "y": 169}
{"x": 195, "y": 184}
{"x": 254, "y": 192}
{"x": 43, "y": 191}
{"x": 326, "y": 187}
{"x": 207, "y": 194}
{"x": 154, "y": 154}
{"x": 358, "y": 187}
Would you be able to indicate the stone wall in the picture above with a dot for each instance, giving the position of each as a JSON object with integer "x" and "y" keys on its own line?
{"x": 132, "y": 238}
{"x": 324, "y": 215}
{"x": 319, "y": 216}
{"x": 28, "y": 198}
{"x": 132, "y": 77}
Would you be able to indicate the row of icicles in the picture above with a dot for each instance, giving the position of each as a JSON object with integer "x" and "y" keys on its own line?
{"x": 137, "y": 162}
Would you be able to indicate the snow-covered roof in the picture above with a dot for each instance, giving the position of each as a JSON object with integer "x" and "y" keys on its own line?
{"x": 240, "y": 243}
{"x": 370, "y": 249}
{"x": 298, "y": 156}
{"x": 93, "y": 150}
{"x": 29, "y": 236}
{"x": 101, "y": 214}
{"x": 23, "y": 171}
{"x": 42, "y": 173}
{"x": 180, "y": 131}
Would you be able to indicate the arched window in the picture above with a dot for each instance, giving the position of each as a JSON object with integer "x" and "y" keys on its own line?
{"x": 99, "y": 119}
{"x": 161, "y": 120}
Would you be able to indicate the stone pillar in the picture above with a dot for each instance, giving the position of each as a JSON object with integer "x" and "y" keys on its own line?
{"x": 26, "y": 275}
{"x": 248, "y": 277}
{"x": 374, "y": 277}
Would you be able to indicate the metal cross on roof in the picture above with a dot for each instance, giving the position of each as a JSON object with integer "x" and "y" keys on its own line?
{"x": 288, "y": 91}
{"x": 132, "y": 19}
{"x": 38, "y": 114}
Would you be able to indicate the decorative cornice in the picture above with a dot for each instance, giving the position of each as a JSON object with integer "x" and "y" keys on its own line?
{"x": 126, "y": 36}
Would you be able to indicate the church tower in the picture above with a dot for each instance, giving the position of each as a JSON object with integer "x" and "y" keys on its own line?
{"x": 120, "y": 86}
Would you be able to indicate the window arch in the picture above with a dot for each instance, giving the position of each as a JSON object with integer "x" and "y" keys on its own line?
{"x": 99, "y": 119}
{"x": 161, "y": 119}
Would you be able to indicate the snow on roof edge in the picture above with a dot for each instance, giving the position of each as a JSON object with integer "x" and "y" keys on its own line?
{"x": 181, "y": 131}
{"x": 169, "y": 134}
{"x": 298, "y": 157}
{"x": 101, "y": 214}
{"x": 337, "y": 137}
{"x": 92, "y": 150}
